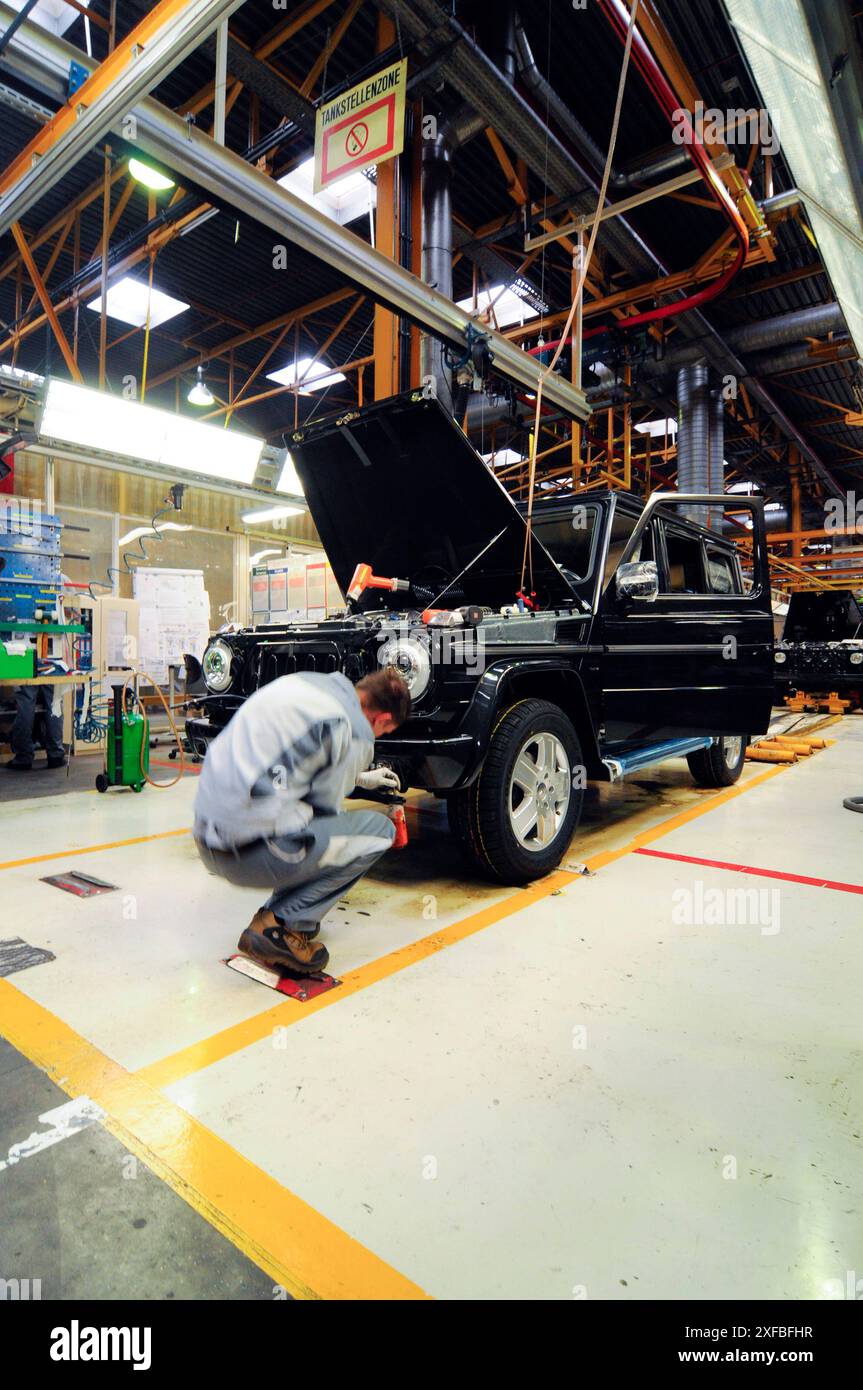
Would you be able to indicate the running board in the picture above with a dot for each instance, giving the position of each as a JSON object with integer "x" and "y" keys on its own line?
{"x": 618, "y": 768}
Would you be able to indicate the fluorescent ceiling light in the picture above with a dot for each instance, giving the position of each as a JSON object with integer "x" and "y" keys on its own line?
{"x": 344, "y": 202}
{"x": 657, "y": 427}
{"x": 320, "y": 376}
{"x": 503, "y": 456}
{"x": 271, "y": 514}
{"x": 96, "y": 420}
{"x": 53, "y": 15}
{"x": 509, "y": 306}
{"x": 149, "y": 177}
{"x": 148, "y": 531}
{"x": 289, "y": 479}
{"x": 127, "y": 301}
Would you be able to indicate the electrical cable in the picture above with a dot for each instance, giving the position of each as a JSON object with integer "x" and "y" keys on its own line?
{"x": 659, "y": 86}
{"x": 350, "y": 357}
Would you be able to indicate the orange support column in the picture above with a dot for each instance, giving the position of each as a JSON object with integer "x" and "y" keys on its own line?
{"x": 416, "y": 229}
{"x": 386, "y": 342}
{"x": 796, "y": 513}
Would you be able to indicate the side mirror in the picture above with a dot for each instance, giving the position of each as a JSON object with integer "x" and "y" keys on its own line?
{"x": 638, "y": 582}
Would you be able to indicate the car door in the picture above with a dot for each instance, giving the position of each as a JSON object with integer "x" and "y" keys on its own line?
{"x": 698, "y": 658}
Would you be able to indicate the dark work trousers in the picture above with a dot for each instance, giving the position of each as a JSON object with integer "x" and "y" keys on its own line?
{"x": 29, "y": 698}
{"x": 307, "y": 872}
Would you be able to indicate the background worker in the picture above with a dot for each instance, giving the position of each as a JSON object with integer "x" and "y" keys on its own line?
{"x": 268, "y": 806}
{"x": 30, "y": 699}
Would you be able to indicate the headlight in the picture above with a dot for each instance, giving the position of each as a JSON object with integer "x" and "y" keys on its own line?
{"x": 411, "y": 659}
{"x": 856, "y": 658}
{"x": 216, "y": 666}
{"x": 780, "y": 658}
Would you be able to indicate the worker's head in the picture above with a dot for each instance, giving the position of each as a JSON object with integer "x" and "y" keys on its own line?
{"x": 385, "y": 699}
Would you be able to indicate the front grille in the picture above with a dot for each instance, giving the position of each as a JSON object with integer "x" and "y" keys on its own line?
{"x": 271, "y": 660}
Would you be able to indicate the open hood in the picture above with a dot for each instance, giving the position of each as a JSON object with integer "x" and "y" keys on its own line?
{"x": 825, "y": 616}
{"x": 400, "y": 487}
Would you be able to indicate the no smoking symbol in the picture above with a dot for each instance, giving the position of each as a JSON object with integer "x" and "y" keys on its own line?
{"x": 357, "y": 139}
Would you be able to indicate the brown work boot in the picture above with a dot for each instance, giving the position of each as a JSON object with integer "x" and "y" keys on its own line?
{"x": 267, "y": 940}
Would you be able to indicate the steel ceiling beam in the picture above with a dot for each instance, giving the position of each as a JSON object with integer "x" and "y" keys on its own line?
{"x": 154, "y": 47}
{"x": 41, "y": 58}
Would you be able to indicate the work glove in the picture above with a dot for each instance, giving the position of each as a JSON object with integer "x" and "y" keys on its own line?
{"x": 379, "y": 779}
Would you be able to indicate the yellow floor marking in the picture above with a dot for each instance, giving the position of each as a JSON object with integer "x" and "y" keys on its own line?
{"x": 241, "y": 1035}
{"x": 93, "y": 849}
{"x": 302, "y": 1251}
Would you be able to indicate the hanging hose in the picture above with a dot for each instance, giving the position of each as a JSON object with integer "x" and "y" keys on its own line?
{"x": 615, "y": 12}
{"x": 146, "y": 738}
{"x": 527, "y": 556}
{"x": 101, "y": 584}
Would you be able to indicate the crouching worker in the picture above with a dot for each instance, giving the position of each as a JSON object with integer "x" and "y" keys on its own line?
{"x": 268, "y": 811}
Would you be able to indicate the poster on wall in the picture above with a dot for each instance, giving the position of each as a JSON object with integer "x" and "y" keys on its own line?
{"x": 174, "y": 617}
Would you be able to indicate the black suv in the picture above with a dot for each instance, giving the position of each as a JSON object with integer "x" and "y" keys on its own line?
{"x": 822, "y": 644}
{"x": 636, "y": 636}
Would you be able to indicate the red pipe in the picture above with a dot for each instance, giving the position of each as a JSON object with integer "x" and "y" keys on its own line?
{"x": 618, "y": 16}
{"x": 591, "y": 333}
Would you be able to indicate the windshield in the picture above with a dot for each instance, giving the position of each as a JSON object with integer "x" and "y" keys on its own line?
{"x": 570, "y": 538}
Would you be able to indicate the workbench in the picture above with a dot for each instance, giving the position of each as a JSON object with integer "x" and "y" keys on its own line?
{"x": 76, "y": 678}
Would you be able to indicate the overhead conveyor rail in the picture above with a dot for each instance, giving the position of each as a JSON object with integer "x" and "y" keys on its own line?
{"x": 43, "y": 61}
{"x": 167, "y": 35}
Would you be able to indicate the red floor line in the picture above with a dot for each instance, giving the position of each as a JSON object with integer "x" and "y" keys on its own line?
{"x": 835, "y": 884}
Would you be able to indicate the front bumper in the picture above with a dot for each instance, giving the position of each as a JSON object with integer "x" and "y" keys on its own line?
{"x": 439, "y": 764}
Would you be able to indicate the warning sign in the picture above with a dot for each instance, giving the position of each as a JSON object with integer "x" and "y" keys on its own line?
{"x": 363, "y": 126}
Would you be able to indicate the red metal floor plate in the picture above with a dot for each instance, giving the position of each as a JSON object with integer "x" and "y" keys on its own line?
{"x": 295, "y": 986}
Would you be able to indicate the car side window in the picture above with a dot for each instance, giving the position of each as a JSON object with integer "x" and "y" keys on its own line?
{"x": 644, "y": 548}
{"x": 570, "y": 540}
{"x": 622, "y": 527}
{"x": 685, "y": 570}
{"x": 723, "y": 574}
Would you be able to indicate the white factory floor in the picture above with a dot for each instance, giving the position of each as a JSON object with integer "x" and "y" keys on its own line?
{"x": 640, "y": 1081}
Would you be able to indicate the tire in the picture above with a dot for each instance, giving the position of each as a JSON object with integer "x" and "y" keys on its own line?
{"x": 484, "y": 817}
{"x": 721, "y": 764}
{"x": 102, "y": 783}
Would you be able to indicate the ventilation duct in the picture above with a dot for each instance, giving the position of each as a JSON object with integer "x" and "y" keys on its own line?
{"x": 674, "y": 161}
{"x": 716, "y": 460}
{"x": 437, "y": 202}
{"x": 437, "y": 231}
{"x": 693, "y": 434}
{"x": 779, "y": 331}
